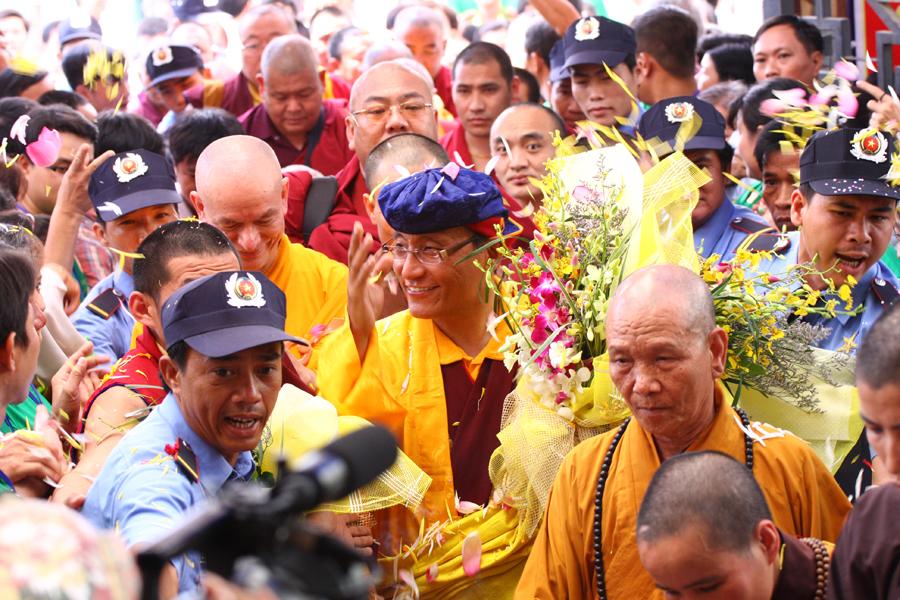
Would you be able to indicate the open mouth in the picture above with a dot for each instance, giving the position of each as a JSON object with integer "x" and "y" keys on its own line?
{"x": 239, "y": 423}
{"x": 412, "y": 289}
{"x": 850, "y": 262}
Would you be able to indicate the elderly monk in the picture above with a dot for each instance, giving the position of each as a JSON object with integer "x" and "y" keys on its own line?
{"x": 293, "y": 119}
{"x": 666, "y": 356}
{"x": 390, "y": 98}
{"x": 705, "y": 530}
{"x": 865, "y": 565}
{"x": 241, "y": 191}
{"x": 433, "y": 374}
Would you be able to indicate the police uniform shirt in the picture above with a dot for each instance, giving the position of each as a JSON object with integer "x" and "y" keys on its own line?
{"x": 103, "y": 321}
{"x": 873, "y": 292}
{"x": 143, "y": 493}
{"x": 721, "y": 234}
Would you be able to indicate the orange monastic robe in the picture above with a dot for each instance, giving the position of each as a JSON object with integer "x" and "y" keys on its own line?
{"x": 804, "y": 499}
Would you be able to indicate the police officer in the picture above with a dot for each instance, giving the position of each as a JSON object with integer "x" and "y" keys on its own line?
{"x": 133, "y": 193}
{"x": 591, "y": 45}
{"x": 719, "y": 226}
{"x": 845, "y": 210}
{"x": 224, "y": 334}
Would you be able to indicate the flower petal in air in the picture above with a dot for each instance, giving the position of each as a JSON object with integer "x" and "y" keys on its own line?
{"x": 44, "y": 151}
{"x": 471, "y": 554}
{"x": 846, "y": 70}
{"x": 407, "y": 578}
{"x": 847, "y": 102}
{"x": 870, "y": 64}
{"x": 460, "y": 161}
{"x": 491, "y": 164}
{"x": 432, "y": 573}
{"x": 17, "y": 131}
{"x": 773, "y": 107}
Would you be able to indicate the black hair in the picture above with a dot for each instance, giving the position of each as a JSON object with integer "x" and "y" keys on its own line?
{"x": 713, "y": 40}
{"x": 173, "y": 240}
{"x": 669, "y": 34}
{"x": 61, "y": 118}
{"x": 734, "y": 62}
{"x": 769, "y": 141}
{"x": 178, "y": 354}
{"x": 48, "y": 30}
{"x": 10, "y": 111}
{"x": 878, "y": 358}
{"x": 13, "y": 83}
{"x": 75, "y": 59}
{"x": 479, "y": 53}
{"x": 41, "y": 227}
{"x": 17, "y": 281}
{"x": 123, "y": 131}
{"x": 751, "y": 114}
{"x": 152, "y": 26}
{"x": 539, "y": 39}
{"x": 405, "y": 148}
{"x": 190, "y": 135}
{"x": 529, "y": 80}
{"x": 64, "y": 97}
{"x": 9, "y": 12}
{"x": 330, "y": 9}
{"x": 337, "y": 40}
{"x": 709, "y": 489}
{"x": 807, "y": 33}
{"x": 10, "y": 180}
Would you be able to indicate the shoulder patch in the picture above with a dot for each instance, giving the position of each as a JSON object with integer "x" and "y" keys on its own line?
{"x": 107, "y": 303}
{"x": 749, "y": 225}
{"x": 767, "y": 241}
{"x": 185, "y": 459}
{"x": 886, "y": 293}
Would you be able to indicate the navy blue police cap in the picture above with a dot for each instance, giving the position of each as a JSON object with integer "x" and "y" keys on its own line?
{"x": 664, "y": 119}
{"x": 438, "y": 199}
{"x": 558, "y": 70}
{"x": 849, "y": 162}
{"x": 176, "y": 61}
{"x": 130, "y": 181}
{"x": 598, "y": 40}
{"x": 225, "y": 313}
{"x": 79, "y": 26}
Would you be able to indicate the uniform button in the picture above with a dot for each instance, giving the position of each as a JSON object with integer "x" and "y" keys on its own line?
{"x": 880, "y": 282}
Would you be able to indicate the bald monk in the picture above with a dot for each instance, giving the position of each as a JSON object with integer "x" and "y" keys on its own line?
{"x": 705, "y": 530}
{"x": 391, "y": 98}
{"x": 241, "y": 191}
{"x": 293, "y": 119}
{"x": 666, "y": 357}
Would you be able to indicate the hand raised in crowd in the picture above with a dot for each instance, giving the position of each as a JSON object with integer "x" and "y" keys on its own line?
{"x": 73, "y": 189}
{"x": 72, "y": 296}
{"x": 29, "y": 458}
{"x": 74, "y": 384}
{"x": 365, "y": 294}
{"x": 885, "y": 109}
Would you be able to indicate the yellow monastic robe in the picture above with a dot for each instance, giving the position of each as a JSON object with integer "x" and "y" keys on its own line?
{"x": 400, "y": 386}
{"x": 803, "y": 497}
{"x": 315, "y": 287}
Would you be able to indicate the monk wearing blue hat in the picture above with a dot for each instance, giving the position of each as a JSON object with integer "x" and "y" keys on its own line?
{"x": 433, "y": 374}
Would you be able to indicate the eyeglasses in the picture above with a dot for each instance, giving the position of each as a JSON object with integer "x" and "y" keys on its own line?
{"x": 379, "y": 112}
{"x": 426, "y": 256}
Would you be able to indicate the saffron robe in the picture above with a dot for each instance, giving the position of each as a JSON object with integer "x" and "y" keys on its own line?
{"x": 803, "y": 497}
{"x": 401, "y": 385}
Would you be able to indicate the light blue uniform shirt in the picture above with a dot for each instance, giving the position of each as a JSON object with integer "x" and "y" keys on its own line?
{"x": 842, "y": 326}
{"x": 112, "y": 336}
{"x": 717, "y": 236}
{"x": 143, "y": 495}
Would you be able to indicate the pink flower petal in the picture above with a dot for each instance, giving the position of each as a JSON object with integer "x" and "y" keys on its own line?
{"x": 451, "y": 170}
{"x": 471, "y": 554}
{"x": 793, "y": 96}
{"x": 773, "y": 107}
{"x": 846, "y": 70}
{"x": 432, "y": 573}
{"x": 823, "y": 96}
{"x": 581, "y": 193}
{"x": 465, "y": 507}
{"x": 489, "y": 167}
{"x": 407, "y": 578}
{"x": 44, "y": 151}
{"x": 847, "y": 102}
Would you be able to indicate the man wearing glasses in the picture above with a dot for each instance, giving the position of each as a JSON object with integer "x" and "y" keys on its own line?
{"x": 390, "y": 98}
{"x": 433, "y": 374}
{"x": 293, "y": 119}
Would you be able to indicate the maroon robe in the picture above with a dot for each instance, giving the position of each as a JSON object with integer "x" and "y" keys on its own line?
{"x": 331, "y": 153}
{"x": 455, "y": 142}
{"x": 443, "y": 85}
{"x": 236, "y": 96}
{"x": 474, "y": 410}
{"x": 147, "y": 110}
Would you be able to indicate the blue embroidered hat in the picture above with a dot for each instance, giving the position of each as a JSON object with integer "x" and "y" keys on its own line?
{"x": 849, "y": 162}
{"x": 664, "y": 119}
{"x": 438, "y": 199}
{"x": 598, "y": 40}
{"x": 130, "y": 181}
{"x": 227, "y": 312}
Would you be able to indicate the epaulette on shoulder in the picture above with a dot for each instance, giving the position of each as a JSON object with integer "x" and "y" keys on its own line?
{"x": 885, "y": 291}
{"x": 767, "y": 241}
{"x": 107, "y": 303}
{"x": 749, "y": 226}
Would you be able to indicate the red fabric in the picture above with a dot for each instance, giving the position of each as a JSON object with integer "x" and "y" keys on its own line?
{"x": 340, "y": 89}
{"x": 138, "y": 370}
{"x": 236, "y": 97}
{"x": 332, "y": 238}
{"x": 443, "y": 84}
{"x": 298, "y": 188}
{"x": 455, "y": 141}
{"x": 331, "y": 154}
{"x": 148, "y": 111}
{"x": 528, "y": 227}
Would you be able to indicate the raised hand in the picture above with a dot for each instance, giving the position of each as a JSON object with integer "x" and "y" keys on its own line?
{"x": 365, "y": 294}
{"x": 72, "y": 385}
{"x": 885, "y": 110}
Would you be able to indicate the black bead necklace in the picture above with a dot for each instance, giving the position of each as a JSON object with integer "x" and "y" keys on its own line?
{"x": 601, "y": 486}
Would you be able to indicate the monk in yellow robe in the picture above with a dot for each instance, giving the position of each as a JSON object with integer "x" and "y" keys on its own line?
{"x": 433, "y": 374}
{"x": 666, "y": 356}
{"x": 241, "y": 191}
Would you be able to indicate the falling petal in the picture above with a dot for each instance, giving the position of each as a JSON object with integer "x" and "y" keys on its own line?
{"x": 870, "y": 65}
{"x": 17, "y": 131}
{"x": 846, "y": 70}
{"x": 437, "y": 186}
{"x": 489, "y": 167}
{"x": 824, "y": 96}
{"x": 404, "y": 172}
{"x": 793, "y": 96}
{"x": 893, "y": 94}
{"x": 460, "y": 161}
{"x": 451, "y": 170}
{"x": 44, "y": 151}
{"x": 465, "y": 507}
{"x": 471, "y": 554}
{"x": 506, "y": 146}
{"x": 847, "y": 102}
{"x": 526, "y": 211}
{"x": 432, "y": 573}
{"x": 407, "y": 578}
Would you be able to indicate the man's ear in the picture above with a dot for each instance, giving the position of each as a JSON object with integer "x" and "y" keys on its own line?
{"x": 350, "y": 123}
{"x": 7, "y": 362}
{"x": 766, "y": 534}
{"x": 798, "y": 206}
{"x": 261, "y": 84}
{"x": 514, "y": 86}
{"x": 197, "y": 203}
{"x": 100, "y": 233}
{"x": 140, "y": 307}
{"x": 718, "y": 349}
{"x": 170, "y": 374}
{"x": 285, "y": 192}
{"x": 817, "y": 59}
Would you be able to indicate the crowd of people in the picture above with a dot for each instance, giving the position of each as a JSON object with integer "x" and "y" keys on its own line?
{"x": 183, "y": 235}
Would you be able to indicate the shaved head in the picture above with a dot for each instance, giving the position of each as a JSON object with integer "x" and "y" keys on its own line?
{"x": 409, "y": 150}
{"x": 372, "y": 79}
{"x": 288, "y": 55}
{"x": 240, "y": 190}
{"x": 384, "y": 50}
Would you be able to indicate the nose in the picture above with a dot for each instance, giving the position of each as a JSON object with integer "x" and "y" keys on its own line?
{"x": 770, "y": 69}
{"x": 783, "y": 200}
{"x": 891, "y": 454}
{"x": 477, "y": 103}
{"x": 517, "y": 160}
{"x": 645, "y": 381}
{"x": 859, "y": 231}
{"x": 250, "y": 391}
{"x": 396, "y": 122}
{"x": 410, "y": 268}
{"x": 247, "y": 240}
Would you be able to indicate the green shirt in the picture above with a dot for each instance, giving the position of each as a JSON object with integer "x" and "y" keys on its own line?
{"x": 21, "y": 415}
{"x": 891, "y": 258}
